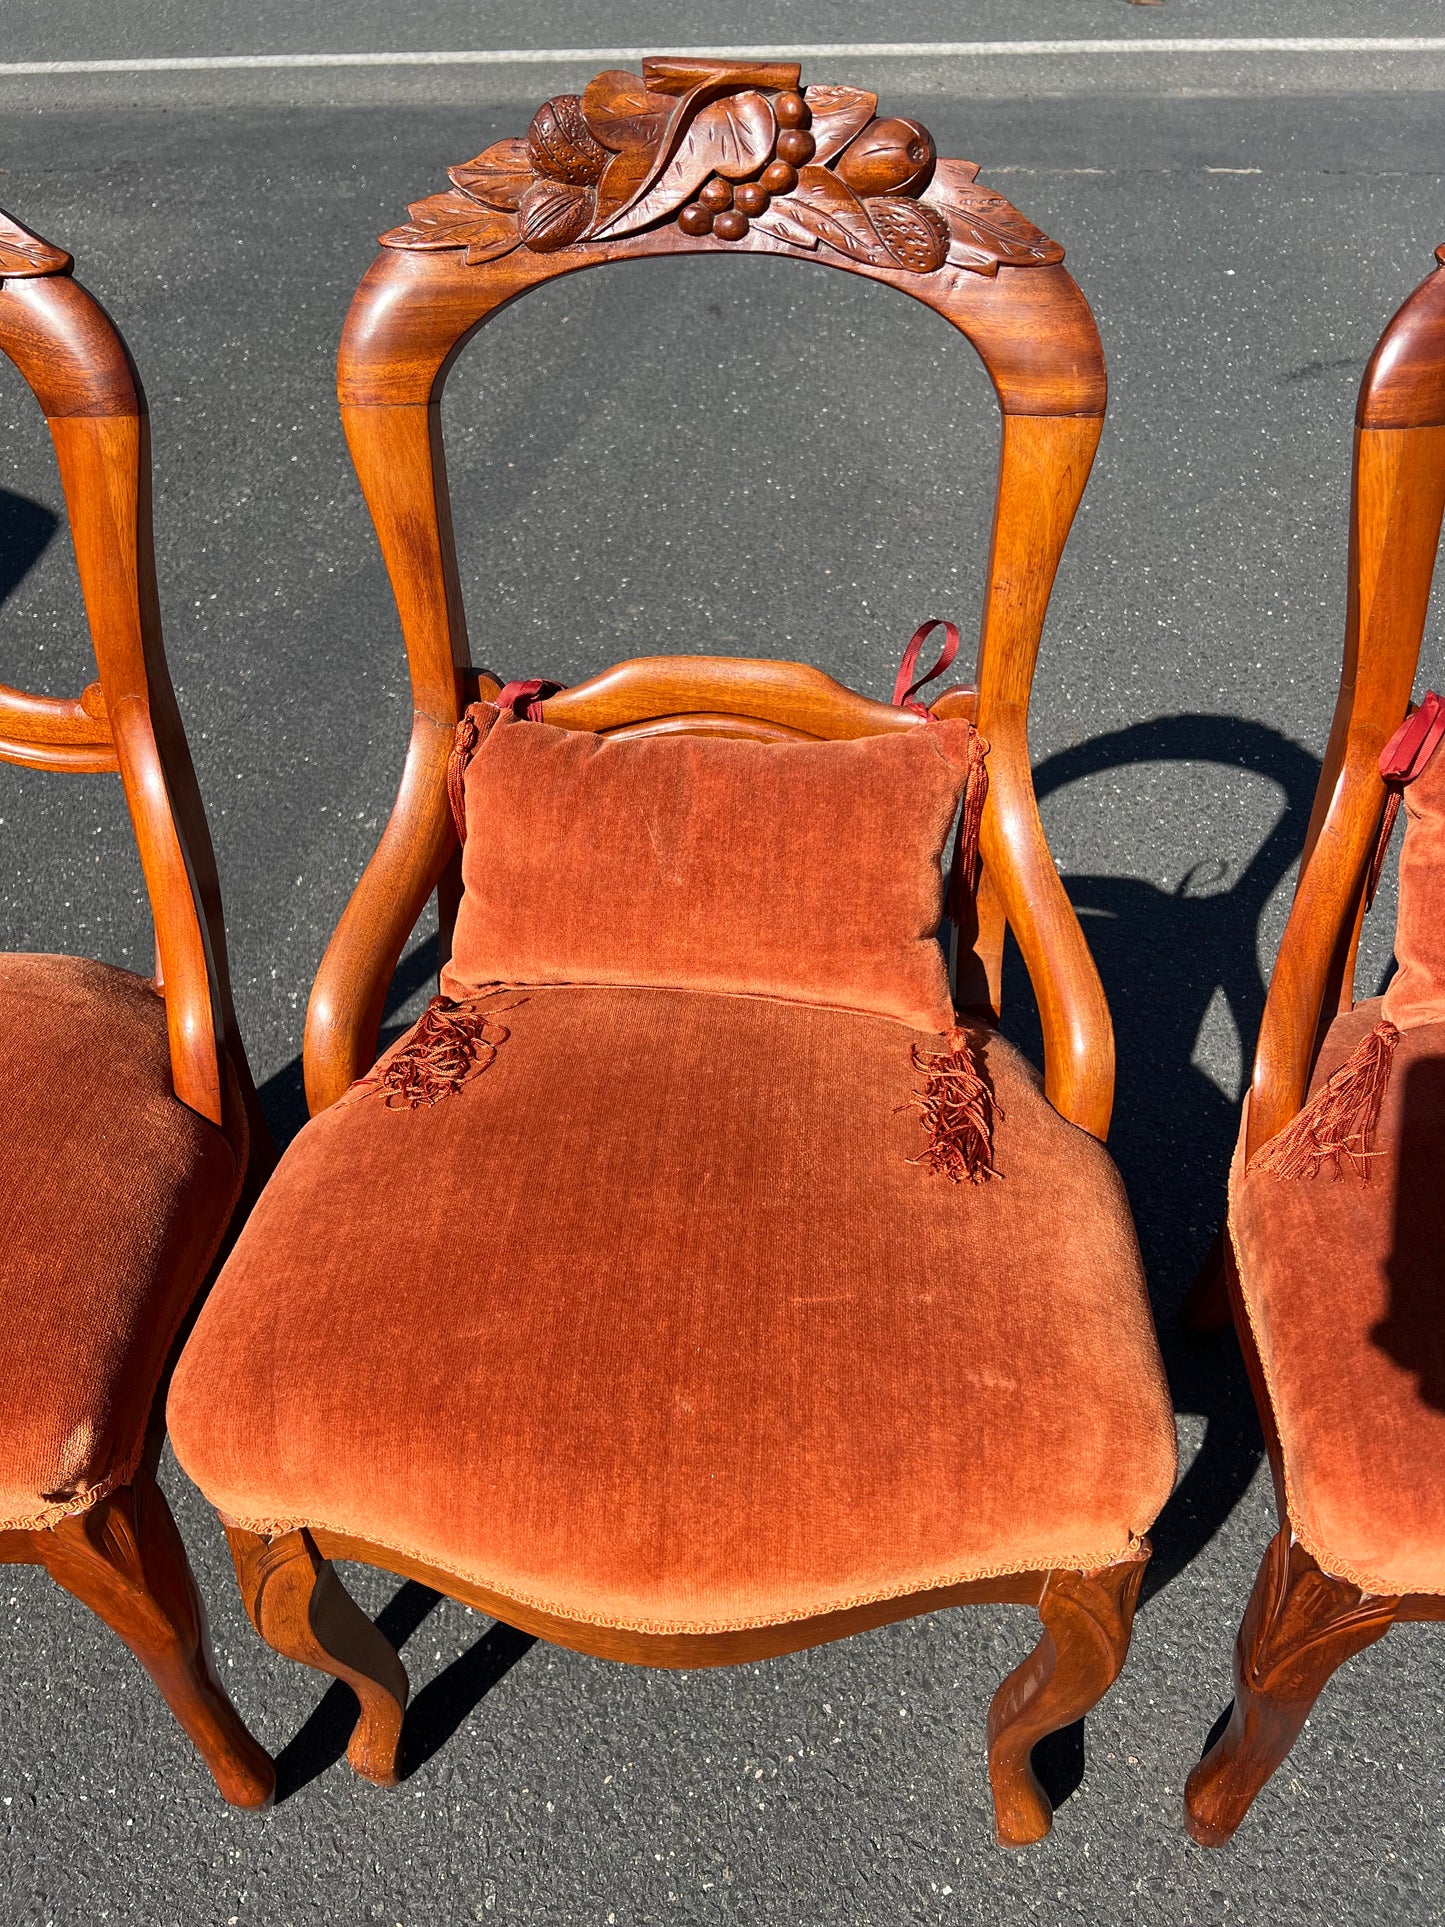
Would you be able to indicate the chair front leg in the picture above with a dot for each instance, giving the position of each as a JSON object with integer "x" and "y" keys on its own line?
{"x": 124, "y": 1559}
{"x": 1299, "y": 1626}
{"x": 1087, "y": 1619}
{"x": 299, "y": 1606}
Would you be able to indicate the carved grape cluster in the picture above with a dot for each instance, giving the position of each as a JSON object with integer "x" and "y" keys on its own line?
{"x": 723, "y": 148}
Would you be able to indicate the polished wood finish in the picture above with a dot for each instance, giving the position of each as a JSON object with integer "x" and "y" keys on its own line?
{"x": 1087, "y": 1619}
{"x": 124, "y": 1560}
{"x": 1302, "y": 1622}
{"x": 298, "y": 1605}
{"x": 1299, "y": 1626}
{"x": 124, "y": 1557}
{"x": 701, "y": 156}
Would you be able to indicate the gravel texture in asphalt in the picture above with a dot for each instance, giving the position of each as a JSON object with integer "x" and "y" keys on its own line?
{"x": 739, "y": 459}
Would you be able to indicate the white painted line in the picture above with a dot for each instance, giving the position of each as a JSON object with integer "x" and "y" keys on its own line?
{"x": 840, "y": 50}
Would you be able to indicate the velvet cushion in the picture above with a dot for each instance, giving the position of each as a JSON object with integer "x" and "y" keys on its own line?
{"x": 1416, "y": 993}
{"x": 655, "y": 1325}
{"x": 1344, "y": 1281}
{"x": 808, "y": 870}
{"x": 113, "y": 1200}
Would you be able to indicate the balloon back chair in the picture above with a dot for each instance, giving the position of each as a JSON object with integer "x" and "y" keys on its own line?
{"x": 704, "y": 1471}
{"x": 131, "y": 1137}
{"x": 1331, "y": 1254}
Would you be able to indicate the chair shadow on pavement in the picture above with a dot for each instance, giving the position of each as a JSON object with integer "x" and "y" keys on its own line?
{"x": 1164, "y": 954}
{"x": 26, "y": 531}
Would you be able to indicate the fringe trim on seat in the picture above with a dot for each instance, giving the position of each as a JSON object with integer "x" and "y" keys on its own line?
{"x": 452, "y": 1043}
{"x": 959, "y": 1111}
{"x": 1337, "y": 1126}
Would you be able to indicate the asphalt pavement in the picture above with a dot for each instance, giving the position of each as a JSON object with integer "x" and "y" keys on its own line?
{"x": 738, "y": 458}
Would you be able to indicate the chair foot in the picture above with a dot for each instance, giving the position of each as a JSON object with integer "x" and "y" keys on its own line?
{"x": 1206, "y": 1308}
{"x": 125, "y": 1560}
{"x": 299, "y": 1606}
{"x": 1087, "y": 1619}
{"x": 1299, "y": 1626}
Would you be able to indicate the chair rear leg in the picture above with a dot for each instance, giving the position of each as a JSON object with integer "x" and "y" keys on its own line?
{"x": 1087, "y": 1619}
{"x": 124, "y": 1559}
{"x": 1300, "y": 1624}
{"x": 297, "y": 1604}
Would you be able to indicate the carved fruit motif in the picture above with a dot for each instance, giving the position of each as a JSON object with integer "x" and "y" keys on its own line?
{"x": 561, "y": 143}
{"x": 888, "y": 157}
{"x": 714, "y": 146}
{"x": 553, "y": 215}
{"x": 916, "y": 236}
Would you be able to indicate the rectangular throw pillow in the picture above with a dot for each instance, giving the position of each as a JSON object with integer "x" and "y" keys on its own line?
{"x": 808, "y": 871}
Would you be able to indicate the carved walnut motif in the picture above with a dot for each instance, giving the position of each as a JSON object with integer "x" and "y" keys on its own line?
{"x": 720, "y": 148}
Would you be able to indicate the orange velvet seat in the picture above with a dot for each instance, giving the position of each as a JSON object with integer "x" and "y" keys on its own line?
{"x": 113, "y": 1200}
{"x": 655, "y": 1325}
{"x": 1343, "y": 1280}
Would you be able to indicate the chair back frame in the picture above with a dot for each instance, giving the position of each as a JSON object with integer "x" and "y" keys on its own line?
{"x": 76, "y": 364}
{"x": 1396, "y": 503}
{"x": 420, "y": 303}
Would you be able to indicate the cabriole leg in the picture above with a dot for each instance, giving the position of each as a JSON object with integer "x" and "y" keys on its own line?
{"x": 298, "y": 1605}
{"x": 1087, "y": 1619}
{"x": 124, "y": 1559}
{"x": 1300, "y": 1624}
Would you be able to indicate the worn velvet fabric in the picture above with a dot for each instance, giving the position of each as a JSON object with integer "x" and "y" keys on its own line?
{"x": 655, "y": 1325}
{"x": 1344, "y": 1281}
{"x": 113, "y": 1200}
{"x": 1416, "y": 993}
{"x": 807, "y": 870}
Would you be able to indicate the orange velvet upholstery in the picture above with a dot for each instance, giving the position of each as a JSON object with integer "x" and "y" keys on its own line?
{"x": 113, "y": 1200}
{"x": 656, "y": 1325}
{"x": 1416, "y": 993}
{"x": 808, "y": 870}
{"x": 1344, "y": 1281}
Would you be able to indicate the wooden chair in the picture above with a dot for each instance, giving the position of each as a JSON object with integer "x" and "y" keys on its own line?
{"x": 1344, "y": 1566}
{"x": 129, "y": 1127}
{"x": 695, "y": 157}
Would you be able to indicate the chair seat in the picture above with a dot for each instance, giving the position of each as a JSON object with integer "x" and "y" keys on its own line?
{"x": 654, "y": 1325}
{"x": 113, "y": 1200}
{"x": 1344, "y": 1280}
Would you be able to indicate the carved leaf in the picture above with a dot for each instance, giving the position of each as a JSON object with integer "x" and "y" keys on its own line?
{"x": 25, "y": 254}
{"x": 623, "y": 113}
{"x": 456, "y": 221}
{"x": 499, "y": 177}
{"x": 838, "y": 114}
{"x": 783, "y": 226}
{"x": 830, "y": 209}
{"x": 733, "y": 137}
{"x": 988, "y": 231}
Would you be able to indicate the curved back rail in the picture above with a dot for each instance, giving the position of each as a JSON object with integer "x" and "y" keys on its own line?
{"x": 465, "y": 257}
{"x": 74, "y": 361}
{"x": 1397, "y": 498}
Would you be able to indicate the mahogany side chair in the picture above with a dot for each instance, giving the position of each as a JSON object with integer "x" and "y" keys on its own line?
{"x": 580, "y": 1346}
{"x": 1330, "y": 1262}
{"x": 130, "y": 1137}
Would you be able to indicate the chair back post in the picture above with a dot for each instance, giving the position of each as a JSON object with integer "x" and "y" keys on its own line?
{"x": 1396, "y": 503}
{"x": 76, "y": 364}
{"x": 442, "y": 278}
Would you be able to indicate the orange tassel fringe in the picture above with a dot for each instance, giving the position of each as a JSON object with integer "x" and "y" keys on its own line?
{"x": 452, "y": 1043}
{"x": 1337, "y": 1126}
{"x": 958, "y": 1112}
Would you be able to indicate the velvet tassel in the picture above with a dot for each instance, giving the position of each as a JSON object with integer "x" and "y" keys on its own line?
{"x": 469, "y": 733}
{"x": 963, "y": 871}
{"x": 1338, "y": 1125}
{"x": 452, "y": 1043}
{"x": 958, "y": 1112}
